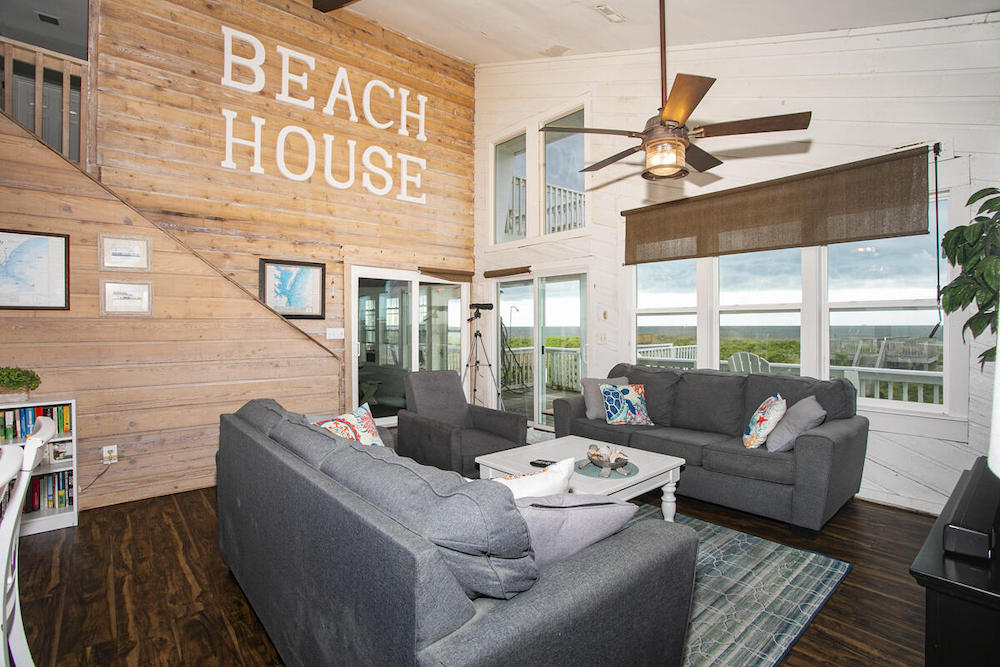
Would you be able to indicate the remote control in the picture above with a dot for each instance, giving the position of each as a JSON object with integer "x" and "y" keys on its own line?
{"x": 542, "y": 463}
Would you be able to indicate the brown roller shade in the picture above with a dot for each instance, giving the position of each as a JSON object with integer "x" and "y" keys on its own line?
{"x": 500, "y": 273}
{"x": 454, "y": 275}
{"x": 870, "y": 199}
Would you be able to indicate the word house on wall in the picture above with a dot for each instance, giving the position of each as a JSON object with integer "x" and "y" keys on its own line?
{"x": 382, "y": 172}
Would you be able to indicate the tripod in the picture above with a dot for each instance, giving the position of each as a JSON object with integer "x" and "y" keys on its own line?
{"x": 474, "y": 363}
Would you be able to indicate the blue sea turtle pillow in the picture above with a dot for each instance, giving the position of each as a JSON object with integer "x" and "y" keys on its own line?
{"x": 625, "y": 404}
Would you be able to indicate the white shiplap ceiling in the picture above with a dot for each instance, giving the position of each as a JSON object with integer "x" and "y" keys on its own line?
{"x": 482, "y": 31}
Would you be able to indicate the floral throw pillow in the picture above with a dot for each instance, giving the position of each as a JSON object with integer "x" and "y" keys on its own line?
{"x": 358, "y": 424}
{"x": 763, "y": 421}
{"x": 625, "y": 404}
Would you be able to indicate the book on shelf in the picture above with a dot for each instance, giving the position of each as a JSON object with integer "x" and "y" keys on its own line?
{"x": 16, "y": 423}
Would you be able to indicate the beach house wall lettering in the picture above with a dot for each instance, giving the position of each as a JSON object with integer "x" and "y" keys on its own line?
{"x": 382, "y": 173}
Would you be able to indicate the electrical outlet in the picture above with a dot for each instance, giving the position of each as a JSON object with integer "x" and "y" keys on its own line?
{"x": 110, "y": 454}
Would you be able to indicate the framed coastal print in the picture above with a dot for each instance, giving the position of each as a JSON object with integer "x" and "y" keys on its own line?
{"x": 120, "y": 252}
{"x": 34, "y": 270}
{"x": 293, "y": 289}
{"x": 126, "y": 297}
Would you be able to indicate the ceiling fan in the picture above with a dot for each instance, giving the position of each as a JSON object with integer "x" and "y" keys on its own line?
{"x": 667, "y": 141}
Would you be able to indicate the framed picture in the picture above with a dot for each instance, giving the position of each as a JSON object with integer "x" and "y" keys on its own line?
{"x": 120, "y": 252}
{"x": 125, "y": 297}
{"x": 34, "y": 270}
{"x": 293, "y": 289}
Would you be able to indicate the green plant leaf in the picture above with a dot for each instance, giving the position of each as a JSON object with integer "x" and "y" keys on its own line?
{"x": 989, "y": 269}
{"x": 990, "y": 205}
{"x": 977, "y": 323}
{"x": 988, "y": 355}
{"x": 985, "y": 192}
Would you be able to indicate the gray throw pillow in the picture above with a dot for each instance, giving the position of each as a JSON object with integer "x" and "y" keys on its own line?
{"x": 562, "y": 524}
{"x": 592, "y": 396}
{"x": 801, "y": 417}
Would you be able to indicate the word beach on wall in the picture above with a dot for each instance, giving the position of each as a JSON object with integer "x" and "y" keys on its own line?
{"x": 382, "y": 172}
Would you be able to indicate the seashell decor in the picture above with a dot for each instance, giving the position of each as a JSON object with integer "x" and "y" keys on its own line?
{"x": 607, "y": 457}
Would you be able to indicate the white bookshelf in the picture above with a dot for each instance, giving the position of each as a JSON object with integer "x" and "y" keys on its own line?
{"x": 49, "y": 518}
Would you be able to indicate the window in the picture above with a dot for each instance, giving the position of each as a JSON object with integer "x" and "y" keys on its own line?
{"x": 666, "y": 325}
{"x": 564, "y": 199}
{"x": 510, "y": 190}
{"x": 883, "y": 309}
{"x": 440, "y": 327}
{"x": 760, "y": 298}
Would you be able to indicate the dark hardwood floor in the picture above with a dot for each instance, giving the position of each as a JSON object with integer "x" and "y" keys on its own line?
{"x": 143, "y": 584}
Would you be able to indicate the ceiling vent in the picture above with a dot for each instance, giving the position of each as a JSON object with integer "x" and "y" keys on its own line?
{"x": 610, "y": 14}
{"x": 46, "y": 18}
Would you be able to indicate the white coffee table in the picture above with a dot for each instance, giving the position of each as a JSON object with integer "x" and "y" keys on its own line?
{"x": 655, "y": 470}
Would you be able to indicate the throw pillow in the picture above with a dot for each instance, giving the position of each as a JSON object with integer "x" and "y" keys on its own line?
{"x": 592, "y": 396}
{"x": 563, "y": 524}
{"x": 625, "y": 404}
{"x": 763, "y": 421}
{"x": 802, "y": 416}
{"x": 545, "y": 482}
{"x": 358, "y": 424}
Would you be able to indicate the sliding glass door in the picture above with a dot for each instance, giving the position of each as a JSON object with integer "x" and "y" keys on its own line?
{"x": 541, "y": 340}
{"x": 403, "y": 321}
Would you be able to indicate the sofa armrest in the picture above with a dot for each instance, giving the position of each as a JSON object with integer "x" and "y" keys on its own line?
{"x": 428, "y": 441}
{"x": 624, "y": 600}
{"x": 508, "y": 425}
{"x": 565, "y": 411}
{"x": 829, "y": 461}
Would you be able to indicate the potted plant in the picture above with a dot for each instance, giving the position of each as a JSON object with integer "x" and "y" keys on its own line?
{"x": 15, "y": 380}
{"x": 975, "y": 249}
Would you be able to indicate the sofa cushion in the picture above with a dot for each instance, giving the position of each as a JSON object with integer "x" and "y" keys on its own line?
{"x": 548, "y": 481}
{"x": 358, "y": 424}
{"x": 560, "y": 525}
{"x": 711, "y": 401}
{"x": 837, "y": 397}
{"x": 310, "y": 443}
{"x": 263, "y": 414}
{"x": 625, "y": 404}
{"x": 732, "y": 458}
{"x": 481, "y": 535}
{"x": 661, "y": 390}
{"x": 598, "y": 429}
{"x": 799, "y": 418}
{"x": 593, "y": 399}
{"x": 674, "y": 441}
{"x": 483, "y": 540}
{"x": 763, "y": 420}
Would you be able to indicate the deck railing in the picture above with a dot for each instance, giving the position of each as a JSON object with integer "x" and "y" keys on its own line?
{"x": 564, "y": 209}
{"x": 47, "y": 92}
{"x": 563, "y": 367}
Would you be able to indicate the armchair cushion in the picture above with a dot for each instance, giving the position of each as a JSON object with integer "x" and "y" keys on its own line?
{"x": 438, "y": 395}
{"x": 562, "y": 524}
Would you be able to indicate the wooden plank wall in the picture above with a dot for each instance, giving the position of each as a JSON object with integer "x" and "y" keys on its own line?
{"x": 162, "y": 139}
{"x": 154, "y": 386}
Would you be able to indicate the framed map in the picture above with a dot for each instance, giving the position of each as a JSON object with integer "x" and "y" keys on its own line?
{"x": 34, "y": 270}
{"x": 293, "y": 289}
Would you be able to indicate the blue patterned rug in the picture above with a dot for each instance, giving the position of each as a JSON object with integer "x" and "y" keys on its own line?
{"x": 753, "y": 598}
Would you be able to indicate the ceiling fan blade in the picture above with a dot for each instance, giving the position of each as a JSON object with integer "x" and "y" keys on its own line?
{"x": 614, "y": 158}
{"x": 686, "y": 93}
{"x": 591, "y": 130}
{"x": 699, "y": 159}
{"x": 788, "y": 121}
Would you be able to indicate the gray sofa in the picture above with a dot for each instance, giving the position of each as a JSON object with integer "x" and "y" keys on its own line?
{"x": 700, "y": 415}
{"x": 351, "y": 554}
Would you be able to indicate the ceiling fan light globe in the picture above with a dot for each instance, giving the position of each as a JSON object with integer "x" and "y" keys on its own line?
{"x": 665, "y": 159}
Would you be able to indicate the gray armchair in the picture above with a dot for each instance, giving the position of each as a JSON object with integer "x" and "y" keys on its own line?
{"x": 440, "y": 428}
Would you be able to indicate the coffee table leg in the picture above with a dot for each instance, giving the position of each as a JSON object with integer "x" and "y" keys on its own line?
{"x": 669, "y": 502}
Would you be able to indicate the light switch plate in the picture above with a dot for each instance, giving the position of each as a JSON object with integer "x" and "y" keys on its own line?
{"x": 334, "y": 333}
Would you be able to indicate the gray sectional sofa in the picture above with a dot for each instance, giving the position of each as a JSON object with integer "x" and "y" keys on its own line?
{"x": 700, "y": 415}
{"x": 353, "y": 555}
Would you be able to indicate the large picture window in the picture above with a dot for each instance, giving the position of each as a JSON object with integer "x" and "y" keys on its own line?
{"x": 563, "y": 201}
{"x": 510, "y": 190}
{"x": 883, "y": 312}
{"x": 666, "y": 322}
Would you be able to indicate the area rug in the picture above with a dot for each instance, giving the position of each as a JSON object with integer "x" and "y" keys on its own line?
{"x": 753, "y": 598}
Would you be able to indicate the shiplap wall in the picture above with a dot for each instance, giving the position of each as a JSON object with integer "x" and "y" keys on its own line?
{"x": 162, "y": 139}
{"x": 870, "y": 91}
{"x": 155, "y": 386}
